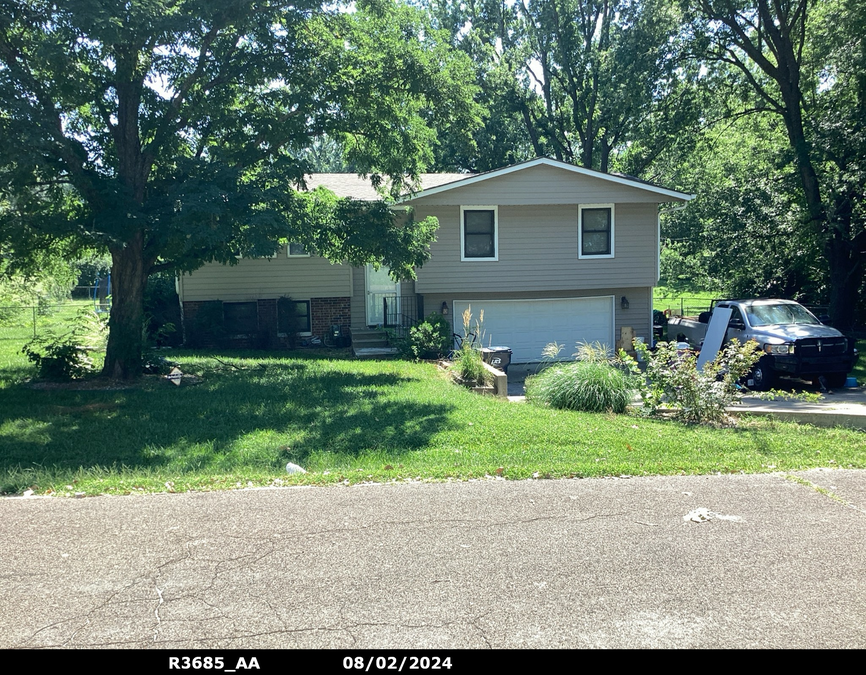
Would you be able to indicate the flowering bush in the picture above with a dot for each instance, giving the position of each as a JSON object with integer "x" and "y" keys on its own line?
{"x": 673, "y": 380}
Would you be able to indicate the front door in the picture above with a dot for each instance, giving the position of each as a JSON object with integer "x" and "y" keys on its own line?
{"x": 379, "y": 286}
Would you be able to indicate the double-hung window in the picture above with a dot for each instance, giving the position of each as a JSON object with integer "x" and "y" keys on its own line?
{"x": 595, "y": 231}
{"x": 293, "y": 317}
{"x": 479, "y": 233}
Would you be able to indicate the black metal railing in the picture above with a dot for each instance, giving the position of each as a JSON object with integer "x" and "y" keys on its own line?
{"x": 402, "y": 311}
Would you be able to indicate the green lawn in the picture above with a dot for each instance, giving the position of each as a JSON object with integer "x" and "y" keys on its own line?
{"x": 690, "y": 303}
{"x": 247, "y": 414}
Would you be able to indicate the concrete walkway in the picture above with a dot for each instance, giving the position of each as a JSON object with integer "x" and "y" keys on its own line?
{"x": 841, "y": 407}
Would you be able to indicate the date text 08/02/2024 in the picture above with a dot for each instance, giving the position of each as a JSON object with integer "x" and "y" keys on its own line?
{"x": 399, "y": 664}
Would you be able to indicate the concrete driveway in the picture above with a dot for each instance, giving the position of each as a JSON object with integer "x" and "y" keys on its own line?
{"x": 710, "y": 561}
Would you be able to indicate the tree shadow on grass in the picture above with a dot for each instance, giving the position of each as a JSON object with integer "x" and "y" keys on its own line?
{"x": 13, "y": 375}
{"x": 255, "y": 417}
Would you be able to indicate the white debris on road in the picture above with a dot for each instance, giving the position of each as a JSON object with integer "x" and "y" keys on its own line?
{"x": 702, "y": 515}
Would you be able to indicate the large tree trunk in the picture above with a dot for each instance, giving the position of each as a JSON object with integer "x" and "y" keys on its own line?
{"x": 846, "y": 277}
{"x": 128, "y": 281}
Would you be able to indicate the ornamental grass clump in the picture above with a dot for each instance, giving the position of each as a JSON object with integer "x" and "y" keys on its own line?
{"x": 589, "y": 386}
{"x": 468, "y": 365}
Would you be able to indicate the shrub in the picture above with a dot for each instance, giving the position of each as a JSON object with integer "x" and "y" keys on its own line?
{"x": 161, "y": 312}
{"x": 673, "y": 380}
{"x": 429, "y": 339}
{"x": 67, "y": 356}
{"x": 590, "y": 386}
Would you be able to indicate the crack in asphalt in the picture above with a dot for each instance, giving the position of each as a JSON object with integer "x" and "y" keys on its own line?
{"x": 474, "y": 623}
{"x": 349, "y": 627}
{"x": 274, "y": 613}
{"x": 156, "y": 613}
{"x": 256, "y": 557}
{"x": 85, "y": 617}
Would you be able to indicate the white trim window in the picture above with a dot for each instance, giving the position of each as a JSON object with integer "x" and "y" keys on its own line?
{"x": 595, "y": 231}
{"x": 293, "y": 316}
{"x": 296, "y": 250}
{"x": 479, "y": 233}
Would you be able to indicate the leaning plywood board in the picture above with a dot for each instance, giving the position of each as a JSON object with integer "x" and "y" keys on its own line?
{"x": 715, "y": 335}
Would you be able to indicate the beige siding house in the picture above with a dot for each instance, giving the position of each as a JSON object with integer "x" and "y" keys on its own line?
{"x": 551, "y": 252}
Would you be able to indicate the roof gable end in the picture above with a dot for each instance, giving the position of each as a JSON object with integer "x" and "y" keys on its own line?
{"x": 658, "y": 192}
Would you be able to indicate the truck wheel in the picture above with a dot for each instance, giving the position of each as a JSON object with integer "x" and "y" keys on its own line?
{"x": 836, "y": 380}
{"x": 761, "y": 378}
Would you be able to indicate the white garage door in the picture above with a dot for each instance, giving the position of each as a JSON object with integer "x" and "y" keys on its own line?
{"x": 527, "y": 326}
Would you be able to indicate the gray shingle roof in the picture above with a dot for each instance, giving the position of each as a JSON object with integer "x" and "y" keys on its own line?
{"x": 356, "y": 187}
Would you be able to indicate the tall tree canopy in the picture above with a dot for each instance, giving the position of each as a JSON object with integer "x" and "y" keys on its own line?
{"x": 584, "y": 81}
{"x": 171, "y": 131}
{"x": 804, "y": 61}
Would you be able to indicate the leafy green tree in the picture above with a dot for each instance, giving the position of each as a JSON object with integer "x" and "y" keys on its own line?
{"x": 740, "y": 237}
{"x": 172, "y": 132}
{"x": 804, "y": 61}
{"x": 49, "y": 278}
{"x": 581, "y": 80}
{"x": 484, "y": 31}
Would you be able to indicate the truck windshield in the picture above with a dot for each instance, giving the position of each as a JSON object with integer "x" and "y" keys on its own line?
{"x": 770, "y": 315}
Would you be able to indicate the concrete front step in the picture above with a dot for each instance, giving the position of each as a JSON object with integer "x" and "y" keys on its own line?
{"x": 371, "y": 344}
{"x": 369, "y": 339}
{"x": 374, "y": 352}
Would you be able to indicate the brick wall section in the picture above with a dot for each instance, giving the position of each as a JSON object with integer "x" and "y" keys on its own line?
{"x": 188, "y": 313}
{"x": 190, "y": 309}
{"x": 327, "y": 311}
{"x": 323, "y": 313}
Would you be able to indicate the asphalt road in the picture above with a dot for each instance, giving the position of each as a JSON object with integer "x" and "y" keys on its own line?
{"x": 484, "y": 564}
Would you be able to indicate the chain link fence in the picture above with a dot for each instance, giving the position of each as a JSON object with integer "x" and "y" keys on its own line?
{"x": 682, "y": 305}
{"x": 22, "y": 323}
{"x": 693, "y": 306}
